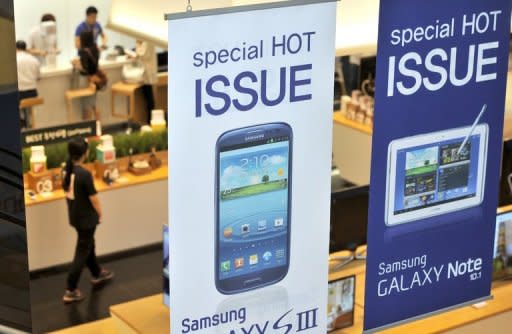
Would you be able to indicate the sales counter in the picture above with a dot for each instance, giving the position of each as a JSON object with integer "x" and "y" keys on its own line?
{"x": 134, "y": 210}
{"x": 55, "y": 81}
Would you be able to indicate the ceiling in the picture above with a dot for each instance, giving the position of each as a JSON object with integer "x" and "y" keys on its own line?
{"x": 356, "y": 20}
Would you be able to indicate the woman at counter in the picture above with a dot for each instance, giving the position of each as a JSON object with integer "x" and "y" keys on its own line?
{"x": 84, "y": 211}
{"x": 88, "y": 65}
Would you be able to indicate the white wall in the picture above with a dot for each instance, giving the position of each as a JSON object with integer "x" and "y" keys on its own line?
{"x": 149, "y": 15}
{"x": 69, "y": 14}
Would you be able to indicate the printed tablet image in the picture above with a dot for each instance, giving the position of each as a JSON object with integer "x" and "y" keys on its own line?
{"x": 436, "y": 173}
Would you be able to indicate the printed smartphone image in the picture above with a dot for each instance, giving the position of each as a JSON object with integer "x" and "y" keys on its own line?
{"x": 432, "y": 174}
{"x": 253, "y": 205}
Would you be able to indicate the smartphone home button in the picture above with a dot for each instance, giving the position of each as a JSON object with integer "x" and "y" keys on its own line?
{"x": 252, "y": 281}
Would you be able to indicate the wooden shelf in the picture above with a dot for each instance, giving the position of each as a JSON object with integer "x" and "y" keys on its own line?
{"x": 144, "y": 316}
{"x": 126, "y": 180}
{"x": 342, "y": 120}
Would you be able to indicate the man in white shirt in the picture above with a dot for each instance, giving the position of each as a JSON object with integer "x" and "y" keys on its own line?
{"x": 42, "y": 40}
{"x": 28, "y": 74}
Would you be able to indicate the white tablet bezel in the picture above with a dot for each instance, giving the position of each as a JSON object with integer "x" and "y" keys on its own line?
{"x": 435, "y": 137}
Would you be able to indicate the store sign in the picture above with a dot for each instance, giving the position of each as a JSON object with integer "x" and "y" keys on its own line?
{"x": 441, "y": 80}
{"x": 56, "y": 134}
{"x": 250, "y": 94}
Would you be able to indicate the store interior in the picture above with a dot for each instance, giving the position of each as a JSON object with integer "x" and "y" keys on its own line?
{"x": 128, "y": 156}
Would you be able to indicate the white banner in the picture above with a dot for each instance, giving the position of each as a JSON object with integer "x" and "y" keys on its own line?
{"x": 250, "y": 136}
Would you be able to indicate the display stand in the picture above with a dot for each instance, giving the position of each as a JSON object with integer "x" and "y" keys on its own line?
{"x": 104, "y": 171}
{"x": 40, "y": 182}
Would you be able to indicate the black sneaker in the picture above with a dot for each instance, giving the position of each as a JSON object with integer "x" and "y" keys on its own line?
{"x": 72, "y": 296}
{"x": 104, "y": 276}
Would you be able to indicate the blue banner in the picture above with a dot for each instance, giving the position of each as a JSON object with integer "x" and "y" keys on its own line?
{"x": 441, "y": 81}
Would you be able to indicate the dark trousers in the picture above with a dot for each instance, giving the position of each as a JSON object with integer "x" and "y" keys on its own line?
{"x": 351, "y": 75}
{"x": 147, "y": 90}
{"x": 85, "y": 255}
{"x": 25, "y": 94}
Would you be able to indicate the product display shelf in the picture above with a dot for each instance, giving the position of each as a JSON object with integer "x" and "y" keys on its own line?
{"x": 342, "y": 120}
{"x": 126, "y": 180}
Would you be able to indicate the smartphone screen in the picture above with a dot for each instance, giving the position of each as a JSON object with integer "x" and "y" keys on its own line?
{"x": 253, "y": 207}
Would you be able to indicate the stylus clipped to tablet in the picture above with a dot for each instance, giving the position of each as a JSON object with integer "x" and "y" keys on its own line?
{"x": 484, "y": 108}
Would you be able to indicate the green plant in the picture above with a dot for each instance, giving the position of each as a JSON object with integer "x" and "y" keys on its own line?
{"x": 140, "y": 143}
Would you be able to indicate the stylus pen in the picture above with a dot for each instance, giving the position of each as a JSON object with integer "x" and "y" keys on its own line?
{"x": 484, "y": 108}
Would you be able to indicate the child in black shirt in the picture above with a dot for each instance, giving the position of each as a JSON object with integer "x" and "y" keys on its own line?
{"x": 84, "y": 212}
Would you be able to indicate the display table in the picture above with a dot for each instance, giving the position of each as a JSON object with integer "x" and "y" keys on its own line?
{"x": 105, "y": 326}
{"x": 143, "y": 316}
{"x": 150, "y": 316}
{"x": 134, "y": 212}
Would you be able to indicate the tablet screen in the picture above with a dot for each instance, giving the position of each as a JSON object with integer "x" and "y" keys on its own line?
{"x": 434, "y": 174}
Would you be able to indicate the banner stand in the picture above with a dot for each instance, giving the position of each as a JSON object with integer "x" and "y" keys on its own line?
{"x": 246, "y": 98}
{"x": 427, "y": 315}
{"x": 245, "y": 8}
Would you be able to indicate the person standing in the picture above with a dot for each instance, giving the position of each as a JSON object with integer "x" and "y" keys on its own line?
{"x": 84, "y": 212}
{"x": 146, "y": 56}
{"x": 87, "y": 64}
{"x": 42, "y": 40}
{"x": 29, "y": 72}
{"x": 91, "y": 24}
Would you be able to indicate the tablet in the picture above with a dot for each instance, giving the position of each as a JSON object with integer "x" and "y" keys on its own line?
{"x": 340, "y": 303}
{"x": 426, "y": 176}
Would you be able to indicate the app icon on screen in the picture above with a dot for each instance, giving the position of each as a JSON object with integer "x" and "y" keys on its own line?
{"x": 262, "y": 225}
{"x": 246, "y": 228}
{"x": 228, "y": 232}
{"x": 253, "y": 259}
{"x": 278, "y": 222}
{"x": 239, "y": 262}
{"x": 267, "y": 256}
{"x": 225, "y": 266}
{"x": 280, "y": 253}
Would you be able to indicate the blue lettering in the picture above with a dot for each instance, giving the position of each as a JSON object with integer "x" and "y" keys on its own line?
{"x": 245, "y": 90}
{"x": 298, "y": 45}
{"x": 282, "y": 88}
{"x": 213, "y": 93}
{"x": 199, "y": 94}
{"x": 308, "y": 35}
{"x": 294, "y": 83}
{"x": 235, "y": 59}
{"x": 211, "y": 58}
{"x": 223, "y": 56}
{"x": 276, "y": 45}
{"x": 185, "y": 325}
{"x": 198, "y": 61}
{"x": 277, "y": 324}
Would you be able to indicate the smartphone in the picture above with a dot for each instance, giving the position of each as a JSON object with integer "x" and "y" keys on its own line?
{"x": 253, "y": 205}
